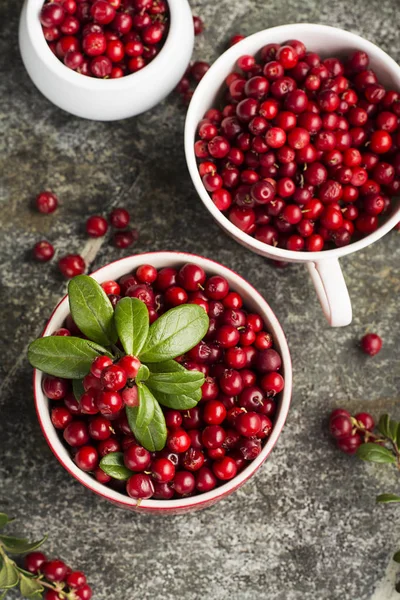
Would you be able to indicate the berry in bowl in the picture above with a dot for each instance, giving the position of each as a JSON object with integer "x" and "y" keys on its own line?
{"x": 297, "y": 153}
{"x": 106, "y": 59}
{"x": 162, "y": 382}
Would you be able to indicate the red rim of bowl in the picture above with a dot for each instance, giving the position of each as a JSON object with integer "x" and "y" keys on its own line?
{"x": 219, "y": 492}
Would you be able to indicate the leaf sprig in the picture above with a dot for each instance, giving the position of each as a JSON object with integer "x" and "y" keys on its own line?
{"x": 127, "y": 330}
{"x": 12, "y": 575}
{"x": 383, "y": 448}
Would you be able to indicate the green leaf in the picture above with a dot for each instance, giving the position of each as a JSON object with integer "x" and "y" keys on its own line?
{"x": 375, "y": 453}
{"x": 4, "y": 520}
{"x": 132, "y": 323}
{"x": 154, "y": 436}
{"x": 8, "y": 575}
{"x": 388, "y": 498}
{"x": 143, "y": 374}
{"x": 92, "y": 310}
{"x": 383, "y": 425}
{"x": 30, "y": 588}
{"x": 396, "y": 558}
{"x": 168, "y": 366}
{"x": 182, "y": 402}
{"x": 113, "y": 464}
{"x": 78, "y": 389}
{"x": 393, "y": 430}
{"x": 178, "y": 383}
{"x": 146, "y": 406}
{"x": 174, "y": 333}
{"x": 68, "y": 357}
{"x": 20, "y": 546}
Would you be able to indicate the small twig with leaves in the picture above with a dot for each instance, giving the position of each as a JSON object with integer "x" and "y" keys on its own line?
{"x": 41, "y": 578}
{"x": 355, "y": 435}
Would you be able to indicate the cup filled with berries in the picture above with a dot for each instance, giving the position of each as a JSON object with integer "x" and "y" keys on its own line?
{"x": 162, "y": 381}
{"x": 292, "y": 141}
{"x": 106, "y": 59}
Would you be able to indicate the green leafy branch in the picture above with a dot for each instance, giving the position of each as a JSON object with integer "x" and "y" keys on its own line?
{"x": 12, "y": 575}
{"x": 126, "y": 330}
{"x": 384, "y": 448}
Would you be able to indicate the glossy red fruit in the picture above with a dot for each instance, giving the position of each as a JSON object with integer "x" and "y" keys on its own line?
{"x": 137, "y": 458}
{"x": 43, "y": 251}
{"x": 71, "y": 265}
{"x": 54, "y": 570}
{"x": 96, "y": 226}
{"x": 46, "y": 202}
{"x": 366, "y": 420}
{"x": 34, "y": 561}
{"x": 140, "y": 486}
{"x": 371, "y": 344}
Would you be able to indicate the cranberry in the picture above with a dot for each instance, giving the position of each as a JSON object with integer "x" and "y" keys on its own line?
{"x": 137, "y": 458}
{"x": 162, "y": 470}
{"x": 178, "y": 441}
{"x": 76, "y": 433}
{"x": 71, "y": 265}
{"x": 125, "y": 239}
{"x": 198, "y": 25}
{"x": 109, "y": 403}
{"x": 113, "y": 378}
{"x": 100, "y": 428}
{"x": 248, "y": 424}
{"x": 371, "y": 344}
{"x": 52, "y": 14}
{"x": 76, "y": 580}
{"x": 205, "y": 480}
{"x": 130, "y": 365}
{"x": 250, "y": 448}
{"x": 140, "y": 486}
{"x": 46, "y": 202}
{"x": 193, "y": 459}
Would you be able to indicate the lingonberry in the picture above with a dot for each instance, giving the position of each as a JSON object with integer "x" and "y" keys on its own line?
{"x": 184, "y": 483}
{"x": 100, "y": 428}
{"x": 109, "y": 403}
{"x": 214, "y": 412}
{"x": 250, "y": 448}
{"x": 99, "y": 364}
{"x": 137, "y": 458}
{"x": 54, "y": 570}
{"x": 248, "y": 424}
{"x": 76, "y": 433}
{"x": 340, "y": 426}
{"x": 113, "y": 378}
{"x": 87, "y": 458}
{"x": 366, "y": 420}
{"x": 61, "y": 417}
{"x": 140, "y": 486}
{"x": 46, "y": 202}
{"x": 43, "y": 251}
{"x": 225, "y": 468}
{"x": 371, "y": 344}
{"x": 268, "y": 360}
{"x": 55, "y": 388}
{"x": 76, "y": 579}
{"x": 198, "y": 25}
{"x": 349, "y": 444}
{"x": 272, "y": 383}
{"x": 213, "y": 436}
{"x": 84, "y": 592}
{"x": 88, "y": 403}
{"x": 162, "y": 470}
{"x": 119, "y": 218}
{"x": 193, "y": 459}
{"x": 130, "y": 365}
{"x": 71, "y": 265}
{"x": 146, "y": 274}
{"x": 96, "y": 226}
{"x": 34, "y": 561}
{"x": 178, "y": 441}
{"x": 205, "y": 480}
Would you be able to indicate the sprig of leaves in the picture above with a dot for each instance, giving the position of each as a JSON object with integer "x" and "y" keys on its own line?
{"x": 385, "y": 449}
{"x": 161, "y": 380}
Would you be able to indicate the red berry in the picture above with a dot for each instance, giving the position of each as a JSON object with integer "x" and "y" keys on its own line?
{"x": 71, "y": 265}
{"x": 43, "y": 251}
{"x": 119, "y": 218}
{"x": 54, "y": 570}
{"x": 113, "y": 378}
{"x": 96, "y": 226}
{"x": 87, "y": 458}
{"x": 34, "y": 561}
{"x": 46, "y": 202}
{"x": 371, "y": 344}
{"x": 137, "y": 458}
{"x": 225, "y": 468}
{"x": 140, "y": 486}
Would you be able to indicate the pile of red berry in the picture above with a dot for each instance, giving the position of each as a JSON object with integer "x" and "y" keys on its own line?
{"x": 350, "y": 432}
{"x": 105, "y": 38}
{"x": 304, "y": 153}
{"x": 206, "y": 445}
{"x": 60, "y": 577}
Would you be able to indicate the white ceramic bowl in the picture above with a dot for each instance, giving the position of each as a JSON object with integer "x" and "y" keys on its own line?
{"x": 323, "y": 266}
{"x": 253, "y": 300}
{"x": 111, "y": 99}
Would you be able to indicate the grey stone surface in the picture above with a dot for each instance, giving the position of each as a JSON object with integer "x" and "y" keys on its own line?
{"x": 306, "y": 527}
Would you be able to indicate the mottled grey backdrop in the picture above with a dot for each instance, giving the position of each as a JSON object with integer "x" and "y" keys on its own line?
{"x": 306, "y": 527}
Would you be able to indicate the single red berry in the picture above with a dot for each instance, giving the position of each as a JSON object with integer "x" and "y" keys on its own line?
{"x": 198, "y": 25}
{"x": 184, "y": 483}
{"x": 146, "y": 274}
{"x": 46, "y": 202}
{"x": 99, "y": 364}
{"x": 225, "y": 468}
{"x": 119, "y": 218}
{"x": 125, "y": 239}
{"x": 130, "y": 364}
{"x": 366, "y": 420}
{"x": 61, "y": 417}
{"x": 140, "y": 486}
{"x": 109, "y": 403}
{"x": 96, "y": 226}
{"x": 371, "y": 344}
{"x": 100, "y": 428}
{"x": 71, "y": 265}
{"x": 178, "y": 441}
{"x": 350, "y": 444}
{"x": 130, "y": 396}
{"x": 162, "y": 470}
{"x": 55, "y": 388}
{"x": 43, "y": 251}
{"x": 137, "y": 458}
{"x": 76, "y": 579}
{"x": 340, "y": 426}
{"x": 54, "y": 570}
{"x": 33, "y": 561}
{"x": 113, "y": 378}
{"x": 87, "y": 458}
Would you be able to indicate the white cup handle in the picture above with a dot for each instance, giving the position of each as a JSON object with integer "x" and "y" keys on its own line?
{"x": 332, "y": 291}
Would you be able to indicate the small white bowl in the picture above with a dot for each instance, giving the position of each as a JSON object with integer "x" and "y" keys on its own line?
{"x": 323, "y": 266}
{"x": 253, "y": 300}
{"x": 111, "y": 99}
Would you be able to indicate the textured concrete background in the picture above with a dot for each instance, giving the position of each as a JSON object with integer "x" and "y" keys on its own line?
{"x": 306, "y": 527}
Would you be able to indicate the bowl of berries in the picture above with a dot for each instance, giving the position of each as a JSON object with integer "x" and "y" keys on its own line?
{"x": 162, "y": 381}
{"x": 106, "y": 59}
{"x": 292, "y": 141}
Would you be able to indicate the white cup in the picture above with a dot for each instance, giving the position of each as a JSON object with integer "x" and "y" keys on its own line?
{"x": 323, "y": 266}
{"x": 111, "y": 99}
